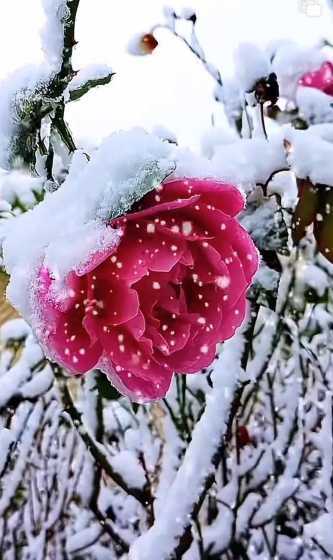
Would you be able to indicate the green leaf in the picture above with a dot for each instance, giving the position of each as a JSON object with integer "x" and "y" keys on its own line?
{"x": 76, "y": 94}
{"x": 264, "y": 289}
{"x": 135, "y": 407}
{"x": 152, "y": 174}
{"x": 105, "y": 389}
{"x": 312, "y": 296}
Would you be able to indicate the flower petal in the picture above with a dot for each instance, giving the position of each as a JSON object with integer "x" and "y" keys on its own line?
{"x": 110, "y": 302}
{"x": 138, "y": 389}
{"x": 72, "y": 346}
{"x": 223, "y": 196}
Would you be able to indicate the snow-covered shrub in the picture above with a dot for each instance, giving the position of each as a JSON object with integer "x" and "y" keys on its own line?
{"x": 237, "y": 460}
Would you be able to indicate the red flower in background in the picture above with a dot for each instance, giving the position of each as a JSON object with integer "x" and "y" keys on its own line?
{"x": 160, "y": 302}
{"x": 320, "y": 79}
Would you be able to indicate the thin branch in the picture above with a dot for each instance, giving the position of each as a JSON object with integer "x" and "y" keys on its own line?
{"x": 143, "y": 496}
{"x": 77, "y": 93}
{"x": 214, "y": 72}
{"x": 66, "y": 71}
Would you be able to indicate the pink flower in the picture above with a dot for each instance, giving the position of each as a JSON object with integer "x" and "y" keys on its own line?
{"x": 159, "y": 303}
{"x": 320, "y": 79}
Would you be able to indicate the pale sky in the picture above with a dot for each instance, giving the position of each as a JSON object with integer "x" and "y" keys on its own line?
{"x": 168, "y": 88}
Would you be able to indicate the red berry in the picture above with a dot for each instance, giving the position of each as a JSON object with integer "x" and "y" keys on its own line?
{"x": 243, "y": 436}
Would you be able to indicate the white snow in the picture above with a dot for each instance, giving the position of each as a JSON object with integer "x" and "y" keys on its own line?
{"x": 251, "y": 64}
{"x": 266, "y": 277}
{"x": 189, "y": 164}
{"x": 186, "y": 12}
{"x": 127, "y": 464}
{"x": 18, "y": 185}
{"x": 285, "y": 488}
{"x": 314, "y": 105}
{"x": 115, "y": 416}
{"x": 245, "y": 512}
{"x": 230, "y": 95}
{"x": 52, "y": 34}
{"x": 196, "y": 465}
{"x": 311, "y": 156}
{"x": 72, "y": 221}
{"x": 291, "y": 61}
{"x": 321, "y": 530}
{"x": 61, "y": 256}
{"x": 284, "y": 184}
{"x": 50, "y": 476}
{"x": 164, "y": 133}
{"x": 14, "y": 329}
{"x": 172, "y": 451}
{"x": 86, "y": 74}
{"x": 39, "y": 383}
{"x": 82, "y": 539}
{"x": 249, "y": 161}
{"x": 6, "y": 439}
{"x": 15, "y": 91}
{"x": 314, "y": 277}
{"x": 216, "y": 137}
{"x": 323, "y": 130}
{"x": 10, "y": 383}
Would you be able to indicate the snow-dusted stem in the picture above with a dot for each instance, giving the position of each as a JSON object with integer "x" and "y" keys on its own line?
{"x": 196, "y": 49}
{"x": 47, "y": 98}
{"x": 50, "y": 96}
{"x": 197, "y": 467}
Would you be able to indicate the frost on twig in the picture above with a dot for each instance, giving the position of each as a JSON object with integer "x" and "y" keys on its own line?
{"x": 43, "y": 99}
{"x": 196, "y": 468}
{"x": 87, "y": 79}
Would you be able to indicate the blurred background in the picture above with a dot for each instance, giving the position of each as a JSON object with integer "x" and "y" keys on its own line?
{"x": 170, "y": 87}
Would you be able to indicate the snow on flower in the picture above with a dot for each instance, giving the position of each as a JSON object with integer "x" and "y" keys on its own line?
{"x": 252, "y": 64}
{"x": 290, "y": 61}
{"x": 71, "y": 223}
{"x": 246, "y": 162}
{"x": 138, "y": 276}
{"x": 161, "y": 300}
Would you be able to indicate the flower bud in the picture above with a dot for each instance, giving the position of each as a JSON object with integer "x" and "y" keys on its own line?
{"x": 142, "y": 44}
